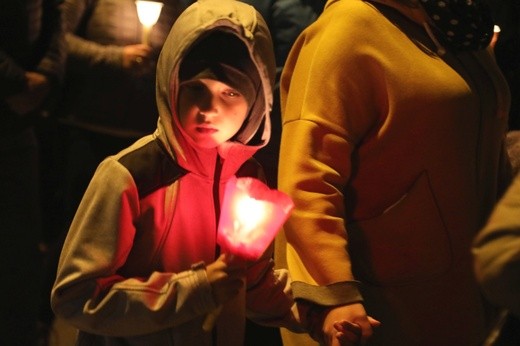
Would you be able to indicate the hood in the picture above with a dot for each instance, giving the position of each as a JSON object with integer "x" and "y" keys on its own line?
{"x": 203, "y": 18}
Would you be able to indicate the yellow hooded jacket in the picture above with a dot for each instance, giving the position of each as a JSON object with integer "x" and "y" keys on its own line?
{"x": 393, "y": 155}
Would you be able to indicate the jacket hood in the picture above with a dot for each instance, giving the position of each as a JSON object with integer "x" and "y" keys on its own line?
{"x": 203, "y": 19}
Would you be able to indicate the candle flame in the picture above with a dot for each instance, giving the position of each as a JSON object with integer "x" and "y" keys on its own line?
{"x": 251, "y": 216}
{"x": 249, "y": 213}
{"x": 148, "y": 12}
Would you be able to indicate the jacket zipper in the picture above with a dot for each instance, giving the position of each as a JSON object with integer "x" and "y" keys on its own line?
{"x": 216, "y": 204}
{"x": 216, "y": 199}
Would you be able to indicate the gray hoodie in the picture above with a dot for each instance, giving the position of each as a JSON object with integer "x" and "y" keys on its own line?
{"x": 128, "y": 272}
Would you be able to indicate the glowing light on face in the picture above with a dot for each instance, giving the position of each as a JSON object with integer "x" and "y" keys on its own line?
{"x": 210, "y": 112}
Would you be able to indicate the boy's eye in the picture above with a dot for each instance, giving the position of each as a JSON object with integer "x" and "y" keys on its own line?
{"x": 232, "y": 93}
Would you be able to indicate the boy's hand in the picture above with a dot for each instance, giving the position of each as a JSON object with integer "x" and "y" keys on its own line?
{"x": 226, "y": 278}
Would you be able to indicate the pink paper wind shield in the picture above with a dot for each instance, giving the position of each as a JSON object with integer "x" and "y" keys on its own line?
{"x": 251, "y": 216}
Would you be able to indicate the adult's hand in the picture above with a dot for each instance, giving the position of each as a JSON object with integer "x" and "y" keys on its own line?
{"x": 348, "y": 325}
{"x": 32, "y": 98}
{"x": 135, "y": 55}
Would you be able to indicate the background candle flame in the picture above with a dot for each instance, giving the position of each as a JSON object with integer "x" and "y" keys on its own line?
{"x": 148, "y": 13}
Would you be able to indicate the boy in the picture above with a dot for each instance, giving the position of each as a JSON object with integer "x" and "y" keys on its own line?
{"x": 140, "y": 264}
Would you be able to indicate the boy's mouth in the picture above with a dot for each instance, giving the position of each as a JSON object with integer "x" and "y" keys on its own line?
{"x": 205, "y": 130}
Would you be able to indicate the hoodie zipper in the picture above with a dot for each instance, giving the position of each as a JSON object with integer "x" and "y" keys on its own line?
{"x": 216, "y": 204}
{"x": 216, "y": 199}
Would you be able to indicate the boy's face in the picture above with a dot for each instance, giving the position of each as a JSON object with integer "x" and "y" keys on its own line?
{"x": 211, "y": 112}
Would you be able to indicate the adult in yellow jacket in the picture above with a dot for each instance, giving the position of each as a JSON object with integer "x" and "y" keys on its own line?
{"x": 394, "y": 114}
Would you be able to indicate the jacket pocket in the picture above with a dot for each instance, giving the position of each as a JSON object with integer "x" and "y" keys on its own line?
{"x": 407, "y": 243}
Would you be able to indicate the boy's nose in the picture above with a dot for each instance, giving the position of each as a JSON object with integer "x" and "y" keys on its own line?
{"x": 208, "y": 104}
{"x": 205, "y": 116}
{"x": 208, "y": 108}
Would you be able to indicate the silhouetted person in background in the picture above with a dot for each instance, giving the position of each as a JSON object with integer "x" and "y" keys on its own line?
{"x": 32, "y": 57}
{"x": 109, "y": 96}
{"x": 506, "y": 14}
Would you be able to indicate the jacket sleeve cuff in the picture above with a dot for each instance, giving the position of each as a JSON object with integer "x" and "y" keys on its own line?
{"x": 314, "y": 302}
{"x": 206, "y": 302}
{"x": 340, "y": 293}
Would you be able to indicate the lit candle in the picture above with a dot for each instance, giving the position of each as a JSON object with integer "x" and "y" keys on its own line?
{"x": 148, "y": 13}
{"x": 251, "y": 216}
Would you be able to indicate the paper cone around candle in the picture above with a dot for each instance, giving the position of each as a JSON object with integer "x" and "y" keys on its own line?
{"x": 251, "y": 215}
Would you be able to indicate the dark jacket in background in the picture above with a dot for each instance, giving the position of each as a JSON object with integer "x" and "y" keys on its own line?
{"x": 31, "y": 39}
{"x": 507, "y": 50}
{"x": 286, "y": 19}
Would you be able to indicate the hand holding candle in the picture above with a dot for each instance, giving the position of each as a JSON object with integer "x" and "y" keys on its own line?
{"x": 225, "y": 277}
{"x": 251, "y": 216}
{"x": 494, "y": 38}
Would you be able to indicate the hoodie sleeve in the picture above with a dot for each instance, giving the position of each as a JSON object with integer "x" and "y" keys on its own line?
{"x": 91, "y": 293}
{"x": 269, "y": 295}
{"x": 325, "y": 116}
{"x": 91, "y": 53}
{"x": 53, "y": 60}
